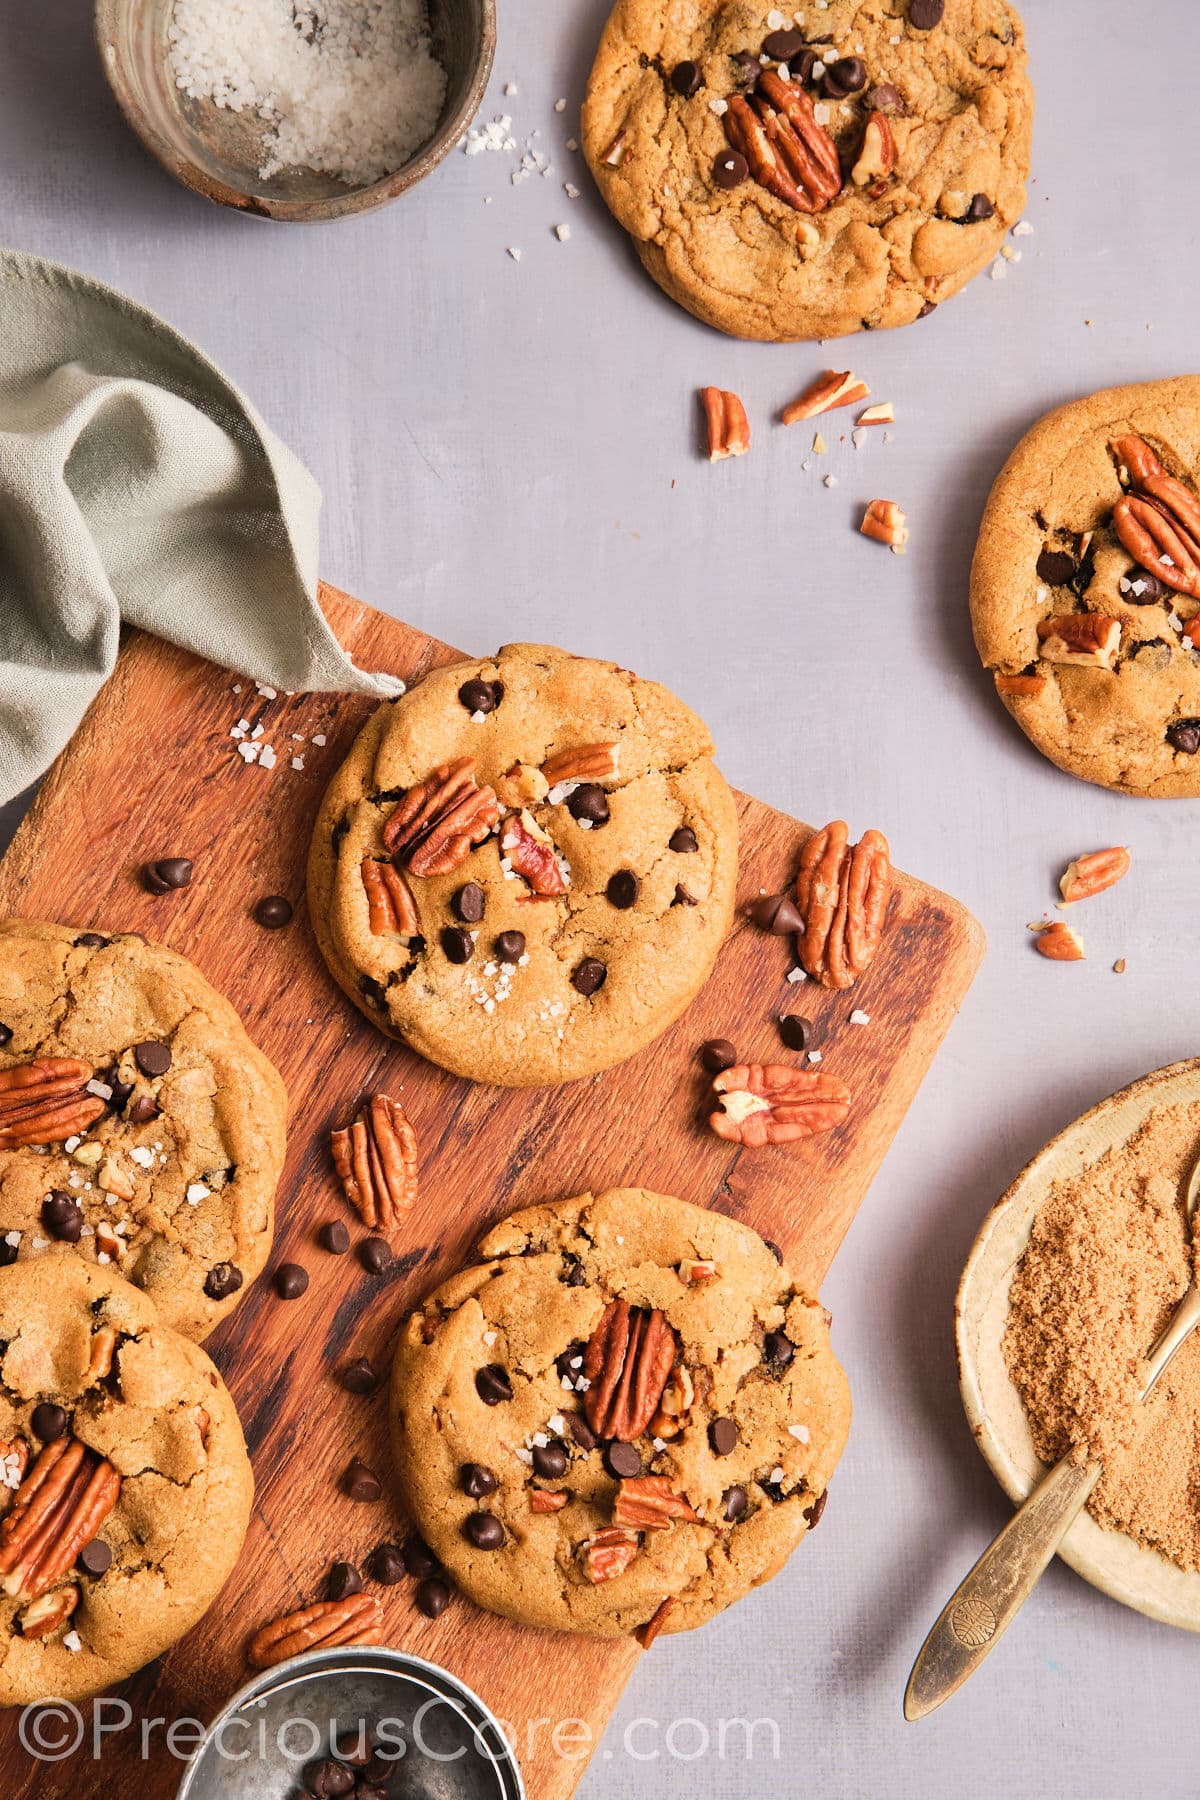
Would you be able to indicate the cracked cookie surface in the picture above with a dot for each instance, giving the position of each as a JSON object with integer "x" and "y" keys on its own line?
{"x": 86, "y": 1362}
{"x": 958, "y": 104}
{"x": 175, "y": 1178}
{"x": 629, "y": 867}
{"x": 490, "y": 1375}
{"x": 1130, "y": 721}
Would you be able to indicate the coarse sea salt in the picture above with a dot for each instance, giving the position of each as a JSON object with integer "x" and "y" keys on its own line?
{"x": 348, "y": 87}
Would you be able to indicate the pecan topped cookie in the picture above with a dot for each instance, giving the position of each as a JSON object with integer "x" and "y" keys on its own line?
{"x": 811, "y": 173}
{"x": 526, "y": 866}
{"x": 622, "y": 1420}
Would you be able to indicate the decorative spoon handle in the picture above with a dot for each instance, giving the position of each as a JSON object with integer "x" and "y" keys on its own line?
{"x": 986, "y": 1602}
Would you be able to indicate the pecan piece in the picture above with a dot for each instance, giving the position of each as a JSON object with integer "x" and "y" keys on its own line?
{"x": 591, "y": 762}
{"x": 828, "y": 391}
{"x": 1084, "y": 637}
{"x": 548, "y": 1500}
{"x": 646, "y": 1634}
{"x": 1091, "y": 874}
{"x": 788, "y": 152}
{"x": 356, "y": 1620}
{"x": 530, "y": 854}
{"x": 1018, "y": 684}
{"x": 46, "y": 1101}
{"x": 376, "y": 1160}
{"x": 774, "y": 1104}
{"x": 438, "y": 822}
{"x": 674, "y": 1406}
{"x": 46, "y": 1614}
{"x": 1058, "y": 942}
{"x": 608, "y": 1554}
{"x": 650, "y": 1503}
{"x": 1160, "y": 524}
{"x": 14, "y": 1460}
{"x": 726, "y": 422}
{"x": 390, "y": 905}
{"x": 842, "y": 895}
{"x": 627, "y": 1362}
{"x": 60, "y": 1506}
{"x": 887, "y": 523}
{"x": 877, "y": 157}
{"x": 693, "y": 1273}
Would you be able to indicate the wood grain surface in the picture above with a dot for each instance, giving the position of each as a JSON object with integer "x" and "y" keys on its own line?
{"x": 154, "y": 772}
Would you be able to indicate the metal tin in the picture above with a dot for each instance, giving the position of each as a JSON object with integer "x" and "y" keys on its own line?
{"x": 259, "y": 1745}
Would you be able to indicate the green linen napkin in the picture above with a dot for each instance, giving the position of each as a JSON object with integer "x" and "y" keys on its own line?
{"x": 137, "y": 484}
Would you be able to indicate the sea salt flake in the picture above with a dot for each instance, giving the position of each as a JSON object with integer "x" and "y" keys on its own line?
{"x": 858, "y": 1017}
{"x": 560, "y": 106}
{"x": 72, "y": 1642}
{"x": 795, "y": 975}
{"x": 570, "y": 190}
{"x": 562, "y": 233}
{"x": 101, "y": 1089}
{"x": 998, "y": 270}
{"x": 800, "y": 1432}
{"x": 511, "y": 90}
{"x": 143, "y": 1157}
{"x": 72, "y": 1143}
{"x": 248, "y": 752}
{"x": 718, "y": 106}
{"x": 814, "y": 1056}
{"x": 572, "y": 143}
{"x": 319, "y": 738}
{"x": 196, "y": 1192}
{"x": 1022, "y": 228}
{"x": 774, "y": 19}
{"x": 268, "y": 693}
{"x": 821, "y": 112}
{"x": 525, "y": 1456}
{"x": 514, "y": 252}
{"x": 776, "y": 1475}
{"x": 831, "y": 481}
{"x": 267, "y": 759}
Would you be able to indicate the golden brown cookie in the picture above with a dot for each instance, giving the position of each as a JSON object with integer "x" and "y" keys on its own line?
{"x": 526, "y": 866}
{"x": 629, "y": 1405}
{"x": 809, "y": 173}
{"x": 1085, "y": 588}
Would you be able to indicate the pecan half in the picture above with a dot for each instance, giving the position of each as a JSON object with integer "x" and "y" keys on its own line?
{"x": 834, "y": 388}
{"x": 877, "y": 157}
{"x": 1159, "y": 525}
{"x": 789, "y": 153}
{"x": 650, "y": 1503}
{"x": 1084, "y": 637}
{"x": 390, "y": 905}
{"x": 774, "y": 1104}
{"x": 646, "y": 1634}
{"x": 43, "y": 1616}
{"x": 627, "y": 1362}
{"x": 530, "y": 854}
{"x": 726, "y": 422}
{"x": 591, "y": 762}
{"x": 60, "y": 1506}
{"x": 886, "y": 522}
{"x": 674, "y": 1406}
{"x": 608, "y": 1554}
{"x": 356, "y": 1620}
{"x": 842, "y": 895}
{"x": 1091, "y": 874}
{"x": 46, "y": 1101}
{"x": 438, "y": 822}
{"x": 1019, "y": 684}
{"x": 547, "y": 1500}
{"x": 1059, "y": 943}
{"x": 376, "y": 1160}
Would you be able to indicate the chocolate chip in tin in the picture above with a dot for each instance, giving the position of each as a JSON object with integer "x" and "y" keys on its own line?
{"x": 510, "y": 946}
{"x": 589, "y": 976}
{"x": 360, "y": 1483}
{"x": 493, "y": 1385}
{"x": 796, "y": 1031}
{"x": 733, "y": 1503}
{"x": 476, "y": 1480}
{"x": 49, "y": 1421}
{"x": 549, "y": 1460}
{"x": 419, "y": 1559}
{"x": 622, "y": 1461}
{"x": 354, "y": 1747}
{"x": 152, "y": 1058}
{"x": 469, "y": 903}
{"x": 388, "y": 1565}
{"x": 782, "y": 45}
{"x": 480, "y": 696}
{"x": 722, "y": 1437}
{"x": 375, "y": 1255}
{"x": 484, "y": 1530}
{"x": 291, "y": 1280}
{"x": 167, "y": 873}
{"x": 95, "y": 1558}
{"x": 62, "y": 1217}
{"x": 342, "y": 1580}
{"x": 685, "y": 79}
{"x": 328, "y": 1780}
{"x": 622, "y": 890}
{"x": 717, "y": 1055}
{"x": 730, "y": 169}
{"x": 273, "y": 912}
{"x": 334, "y": 1237}
{"x": 923, "y": 15}
{"x": 433, "y": 1596}
{"x": 581, "y": 1431}
{"x": 222, "y": 1280}
{"x": 776, "y": 913}
{"x": 589, "y": 804}
{"x": 683, "y": 841}
{"x": 359, "y": 1376}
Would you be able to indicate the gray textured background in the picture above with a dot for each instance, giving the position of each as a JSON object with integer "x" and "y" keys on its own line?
{"x": 508, "y": 450}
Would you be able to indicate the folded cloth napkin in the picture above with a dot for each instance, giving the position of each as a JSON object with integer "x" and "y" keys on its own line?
{"x": 138, "y": 484}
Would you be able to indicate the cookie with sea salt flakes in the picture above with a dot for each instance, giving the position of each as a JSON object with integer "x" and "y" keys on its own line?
{"x": 525, "y": 866}
{"x": 623, "y": 1419}
{"x": 1085, "y": 587}
{"x": 805, "y": 175}
{"x": 139, "y": 1126}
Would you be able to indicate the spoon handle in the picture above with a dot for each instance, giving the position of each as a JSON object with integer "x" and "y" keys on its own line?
{"x": 989, "y": 1598}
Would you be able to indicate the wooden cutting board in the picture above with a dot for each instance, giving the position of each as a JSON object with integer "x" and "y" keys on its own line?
{"x": 154, "y": 772}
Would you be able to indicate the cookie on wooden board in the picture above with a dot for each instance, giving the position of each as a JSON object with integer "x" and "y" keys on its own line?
{"x": 526, "y": 866}
{"x": 806, "y": 175}
{"x": 625, "y": 1417}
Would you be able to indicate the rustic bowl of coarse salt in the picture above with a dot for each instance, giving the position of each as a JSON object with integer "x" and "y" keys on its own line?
{"x": 298, "y": 110}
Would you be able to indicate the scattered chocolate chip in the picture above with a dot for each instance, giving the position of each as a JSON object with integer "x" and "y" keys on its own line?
{"x": 481, "y": 696}
{"x": 433, "y": 1596}
{"x": 359, "y": 1377}
{"x": 484, "y": 1530}
{"x": 457, "y": 944}
{"x": 291, "y": 1281}
{"x": 492, "y": 1384}
{"x": 927, "y": 307}
{"x": 62, "y": 1217}
{"x": 622, "y": 1462}
{"x": 358, "y": 1482}
{"x": 683, "y": 898}
{"x": 8, "y": 1252}
{"x": 730, "y": 169}
{"x": 776, "y": 913}
{"x": 683, "y": 841}
{"x": 581, "y": 1431}
{"x": 334, "y": 1237}
{"x": 1141, "y": 587}
{"x": 1184, "y": 735}
{"x": 510, "y": 946}
{"x": 590, "y": 976}
{"x": 980, "y": 208}
{"x": 342, "y": 1580}
{"x": 375, "y": 1255}
{"x": 222, "y": 1280}
{"x": 589, "y": 802}
{"x": 782, "y": 45}
{"x": 388, "y": 1565}
{"x": 91, "y": 940}
{"x": 746, "y": 70}
{"x": 923, "y": 15}
{"x": 371, "y": 1790}
{"x": 813, "y": 1513}
{"x": 884, "y": 97}
{"x": 152, "y": 1058}
{"x": 469, "y": 903}
{"x": 718, "y": 1054}
{"x": 722, "y": 1436}
{"x": 848, "y": 75}
{"x": 795, "y": 1031}
{"x": 419, "y": 1559}
{"x": 95, "y": 1558}
{"x": 5, "y": 1035}
{"x": 733, "y": 1503}
{"x": 328, "y": 1780}
{"x": 623, "y": 889}
{"x": 773, "y": 1247}
{"x": 778, "y": 1350}
{"x": 476, "y": 1480}
{"x": 549, "y": 1460}
{"x": 144, "y": 1108}
{"x": 685, "y": 79}
{"x": 49, "y": 1421}
{"x": 169, "y": 872}
{"x": 1056, "y": 568}
{"x": 273, "y": 912}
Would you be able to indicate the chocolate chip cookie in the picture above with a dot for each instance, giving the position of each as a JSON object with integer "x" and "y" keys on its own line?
{"x": 1085, "y": 589}
{"x": 139, "y": 1126}
{"x": 526, "y": 866}
{"x": 125, "y": 1487}
{"x": 624, "y": 1418}
{"x": 811, "y": 173}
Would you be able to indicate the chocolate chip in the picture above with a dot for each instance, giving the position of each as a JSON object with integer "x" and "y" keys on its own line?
{"x": 152, "y": 1058}
{"x": 848, "y": 75}
{"x": 273, "y": 912}
{"x": 334, "y": 1237}
{"x": 419, "y": 1559}
{"x": 622, "y": 1462}
{"x": 623, "y": 889}
{"x": 778, "y": 1350}
{"x": 776, "y": 913}
{"x": 359, "y": 1376}
{"x": 589, "y": 802}
{"x": 484, "y": 1530}
{"x": 291, "y": 1281}
{"x": 718, "y": 1054}
{"x": 222, "y": 1280}
{"x": 883, "y": 97}
{"x": 492, "y": 1384}
{"x": 62, "y": 1217}
{"x": 1056, "y": 568}
{"x": 91, "y": 940}
{"x": 923, "y": 15}
{"x": 510, "y": 946}
{"x": 773, "y": 1490}
{"x": 813, "y": 1513}
{"x": 589, "y": 976}
{"x": 549, "y": 1460}
{"x": 733, "y": 1503}
{"x": 8, "y": 1252}
{"x": 1141, "y": 587}
{"x": 328, "y": 1780}
{"x": 683, "y": 841}
{"x": 782, "y": 45}
{"x": 481, "y": 696}
{"x": 795, "y": 1030}
{"x": 685, "y": 79}
{"x": 476, "y": 1480}
{"x": 802, "y": 71}
{"x": 95, "y": 1558}
{"x": 683, "y": 898}
{"x": 469, "y": 903}
{"x": 722, "y": 1436}
{"x": 49, "y": 1421}
{"x": 1184, "y": 735}
{"x": 574, "y": 1276}
{"x": 358, "y": 1482}
{"x": 354, "y": 1747}
{"x": 581, "y": 1431}
{"x": 375, "y": 1255}
{"x": 927, "y": 307}
{"x": 5, "y": 1035}
{"x": 167, "y": 873}
{"x": 433, "y": 1596}
{"x": 342, "y": 1580}
{"x": 773, "y": 1247}
{"x": 121, "y": 1090}
{"x": 730, "y": 169}
{"x": 144, "y": 1108}
{"x": 388, "y": 1565}
{"x": 457, "y": 944}
{"x": 746, "y": 70}
{"x": 980, "y": 208}
{"x": 569, "y": 1362}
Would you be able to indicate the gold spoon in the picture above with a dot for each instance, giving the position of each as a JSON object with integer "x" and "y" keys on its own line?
{"x": 987, "y": 1601}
